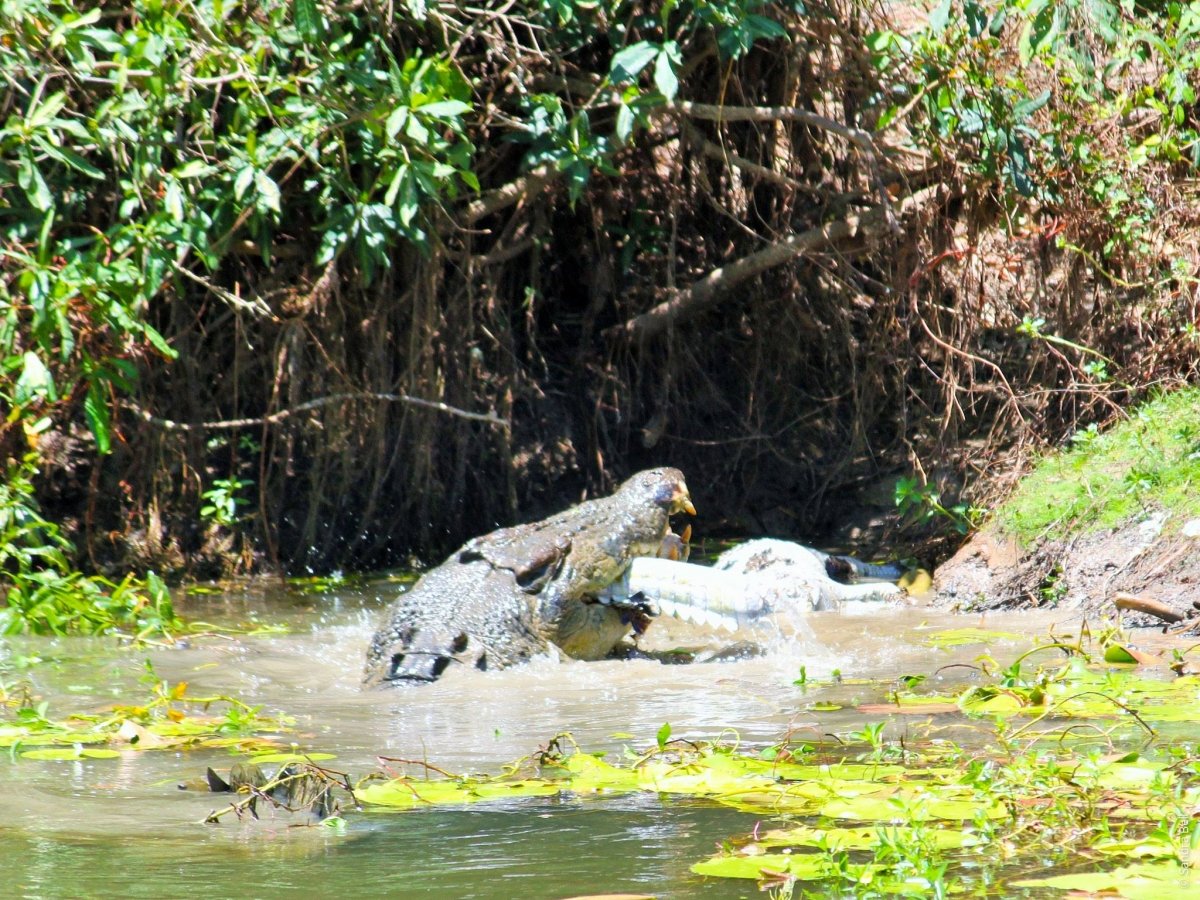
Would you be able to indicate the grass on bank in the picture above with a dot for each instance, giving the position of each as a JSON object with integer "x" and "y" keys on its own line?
{"x": 1149, "y": 462}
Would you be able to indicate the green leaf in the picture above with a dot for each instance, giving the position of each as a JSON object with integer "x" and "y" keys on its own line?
{"x": 806, "y": 866}
{"x": 308, "y": 20}
{"x": 291, "y": 757}
{"x": 35, "y": 381}
{"x": 159, "y": 342}
{"x": 664, "y": 76}
{"x": 1160, "y": 880}
{"x": 940, "y": 16}
{"x": 242, "y": 182}
{"x": 268, "y": 191}
{"x": 1018, "y": 159}
{"x": 977, "y": 19}
{"x": 46, "y": 111}
{"x": 664, "y": 734}
{"x": 955, "y": 637}
{"x": 95, "y": 409}
{"x": 625, "y": 122}
{"x": 629, "y": 62}
{"x": 396, "y": 121}
{"x": 70, "y": 23}
{"x": 404, "y": 792}
{"x": 29, "y": 177}
{"x": 1044, "y": 28}
{"x": 1026, "y": 108}
{"x": 880, "y": 41}
{"x": 444, "y": 109}
{"x": 173, "y": 200}
{"x": 762, "y": 27}
{"x": 71, "y": 753}
{"x": 194, "y": 168}
{"x": 72, "y": 159}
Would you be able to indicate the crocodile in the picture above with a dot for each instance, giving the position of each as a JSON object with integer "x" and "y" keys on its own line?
{"x": 526, "y": 590}
{"x": 753, "y": 580}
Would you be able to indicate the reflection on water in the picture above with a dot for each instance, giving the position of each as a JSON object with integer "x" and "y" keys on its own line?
{"x": 122, "y": 827}
{"x": 529, "y": 850}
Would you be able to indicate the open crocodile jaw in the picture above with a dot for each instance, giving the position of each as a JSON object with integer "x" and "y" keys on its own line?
{"x": 518, "y": 591}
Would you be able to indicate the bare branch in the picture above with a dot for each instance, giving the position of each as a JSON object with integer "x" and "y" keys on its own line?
{"x": 861, "y": 139}
{"x": 705, "y": 292}
{"x": 1156, "y": 608}
{"x": 508, "y": 195}
{"x": 719, "y": 153}
{"x": 275, "y": 418}
{"x": 856, "y": 136}
{"x": 255, "y": 307}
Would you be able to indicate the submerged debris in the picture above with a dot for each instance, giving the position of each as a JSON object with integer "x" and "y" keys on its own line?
{"x": 301, "y": 788}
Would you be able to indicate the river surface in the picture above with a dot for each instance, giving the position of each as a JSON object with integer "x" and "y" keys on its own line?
{"x": 123, "y": 828}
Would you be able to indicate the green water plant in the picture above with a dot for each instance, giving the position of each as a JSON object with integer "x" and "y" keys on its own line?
{"x": 166, "y": 717}
{"x": 1081, "y": 774}
{"x": 223, "y": 501}
{"x": 43, "y": 594}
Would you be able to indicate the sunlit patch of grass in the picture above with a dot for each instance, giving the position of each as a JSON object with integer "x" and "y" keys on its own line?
{"x": 1149, "y": 462}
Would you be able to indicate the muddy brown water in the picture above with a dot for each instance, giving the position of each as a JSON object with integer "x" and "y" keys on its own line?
{"x": 122, "y": 827}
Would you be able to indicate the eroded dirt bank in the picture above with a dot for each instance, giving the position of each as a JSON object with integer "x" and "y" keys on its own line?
{"x": 1155, "y": 557}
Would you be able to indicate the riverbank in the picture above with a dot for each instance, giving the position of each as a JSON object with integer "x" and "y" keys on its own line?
{"x": 1117, "y": 512}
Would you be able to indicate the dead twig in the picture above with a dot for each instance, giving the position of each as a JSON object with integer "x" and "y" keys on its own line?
{"x": 275, "y": 418}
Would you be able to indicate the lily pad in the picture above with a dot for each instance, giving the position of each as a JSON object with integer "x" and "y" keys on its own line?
{"x": 409, "y": 793}
{"x": 865, "y": 837}
{"x": 957, "y": 637}
{"x": 593, "y": 775}
{"x": 1119, "y": 654}
{"x": 805, "y": 866}
{"x": 71, "y": 753}
{"x": 908, "y": 808}
{"x": 1141, "y": 881}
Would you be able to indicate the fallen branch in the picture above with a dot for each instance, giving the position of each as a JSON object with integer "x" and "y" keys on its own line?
{"x": 1134, "y": 603}
{"x": 255, "y": 307}
{"x": 274, "y": 418}
{"x": 706, "y": 291}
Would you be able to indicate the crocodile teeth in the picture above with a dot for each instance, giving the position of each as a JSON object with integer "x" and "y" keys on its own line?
{"x": 697, "y": 616}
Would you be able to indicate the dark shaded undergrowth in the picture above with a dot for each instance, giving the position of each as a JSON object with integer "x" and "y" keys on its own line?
{"x": 314, "y": 285}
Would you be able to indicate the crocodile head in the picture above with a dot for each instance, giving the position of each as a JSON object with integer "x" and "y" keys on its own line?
{"x": 634, "y": 521}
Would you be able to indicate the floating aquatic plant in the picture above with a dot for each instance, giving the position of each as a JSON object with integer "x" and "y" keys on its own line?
{"x": 865, "y": 814}
{"x": 169, "y": 718}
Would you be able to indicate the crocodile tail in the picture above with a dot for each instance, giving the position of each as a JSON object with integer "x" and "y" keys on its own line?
{"x": 848, "y": 570}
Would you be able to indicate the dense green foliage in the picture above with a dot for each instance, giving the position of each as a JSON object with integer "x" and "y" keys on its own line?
{"x": 250, "y": 249}
{"x": 45, "y": 595}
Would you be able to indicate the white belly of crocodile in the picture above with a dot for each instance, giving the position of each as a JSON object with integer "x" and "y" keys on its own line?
{"x": 730, "y": 599}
